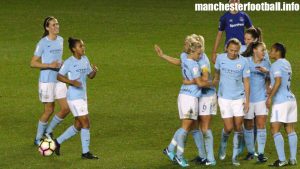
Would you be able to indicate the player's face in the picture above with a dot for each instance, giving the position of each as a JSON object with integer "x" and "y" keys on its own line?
{"x": 234, "y": 2}
{"x": 197, "y": 53}
{"x": 273, "y": 53}
{"x": 79, "y": 48}
{"x": 248, "y": 39}
{"x": 53, "y": 27}
{"x": 233, "y": 51}
{"x": 260, "y": 52}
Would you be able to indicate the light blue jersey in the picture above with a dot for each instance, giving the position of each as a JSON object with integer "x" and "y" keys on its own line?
{"x": 76, "y": 70}
{"x": 203, "y": 62}
{"x": 49, "y": 51}
{"x": 282, "y": 68}
{"x": 232, "y": 72}
{"x": 190, "y": 70}
{"x": 258, "y": 80}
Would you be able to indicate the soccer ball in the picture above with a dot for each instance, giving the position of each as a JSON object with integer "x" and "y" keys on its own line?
{"x": 47, "y": 147}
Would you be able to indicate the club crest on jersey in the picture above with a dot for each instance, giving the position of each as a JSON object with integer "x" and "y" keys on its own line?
{"x": 239, "y": 66}
{"x": 230, "y": 20}
{"x": 195, "y": 70}
{"x": 241, "y": 19}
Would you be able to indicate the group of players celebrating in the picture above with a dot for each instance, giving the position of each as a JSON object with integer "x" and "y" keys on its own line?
{"x": 248, "y": 86}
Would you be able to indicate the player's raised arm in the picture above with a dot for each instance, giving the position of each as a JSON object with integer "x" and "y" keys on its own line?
{"x": 169, "y": 59}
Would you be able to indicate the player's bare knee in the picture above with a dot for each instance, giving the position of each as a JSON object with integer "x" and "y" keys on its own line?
{"x": 274, "y": 130}
{"x": 260, "y": 125}
{"x": 85, "y": 126}
{"x": 204, "y": 128}
{"x": 238, "y": 128}
{"x": 65, "y": 109}
{"x": 77, "y": 124}
{"x": 228, "y": 129}
{"x": 204, "y": 131}
{"x": 289, "y": 128}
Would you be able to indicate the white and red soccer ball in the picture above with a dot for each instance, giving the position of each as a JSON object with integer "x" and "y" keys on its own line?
{"x": 47, "y": 147}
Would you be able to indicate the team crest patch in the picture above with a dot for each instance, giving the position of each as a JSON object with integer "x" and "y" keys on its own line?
{"x": 195, "y": 70}
{"x": 230, "y": 20}
{"x": 239, "y": 66}
{"x": 241, "y": 19}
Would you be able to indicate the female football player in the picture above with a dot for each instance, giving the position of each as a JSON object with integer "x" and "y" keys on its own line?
{"x": 284, "y": 106}
{"x": 48, "y": 58}
{"x": 77, "y": 67}
{"x": 232, "y": 72}
{"x": 259, "y": 83}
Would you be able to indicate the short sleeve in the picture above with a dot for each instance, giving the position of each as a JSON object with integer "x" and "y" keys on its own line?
{"x": 65, "y": 68}
{"x": 222, "y": 23}
{"x": 183, "y": 56}
{"x": 246, "y": 70}
{"x": 248, "y": 22}
{"x": 276, "y": 71}
{"x": 204, "y": 68}
{"x": 39, "y": 49}
{"x": 217, "y": 65}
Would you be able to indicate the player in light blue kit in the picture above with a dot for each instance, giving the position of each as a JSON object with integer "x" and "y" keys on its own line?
{"x": 259, "y": 83}
{"x": 284, "y": 106}
{"x": 232, "y": 71}
{"x": 207, "y": 105}
{"x": 77, "y": 67}
{"x": 48, "y": 58}
{"x": 187, "y": 101}
{"x": 252, "y": 35}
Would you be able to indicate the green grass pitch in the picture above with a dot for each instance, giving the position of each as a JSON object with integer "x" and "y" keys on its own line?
{"x": 133, "y": 99}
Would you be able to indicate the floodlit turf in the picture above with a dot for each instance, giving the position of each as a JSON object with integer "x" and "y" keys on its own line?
{"x": 133, "y": 99}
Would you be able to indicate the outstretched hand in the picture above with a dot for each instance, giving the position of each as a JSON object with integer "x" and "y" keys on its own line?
{"x": 158, "y": 50}
{"x": 94, "y": 68}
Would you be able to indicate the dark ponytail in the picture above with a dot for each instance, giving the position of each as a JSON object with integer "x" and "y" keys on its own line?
{"x": 256, "y": 33}
{"x": 249, "y": 51}
{"x": 46, "y": 24}
{"x": 280, "y": 47}
{"x": 72, "y": 43}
